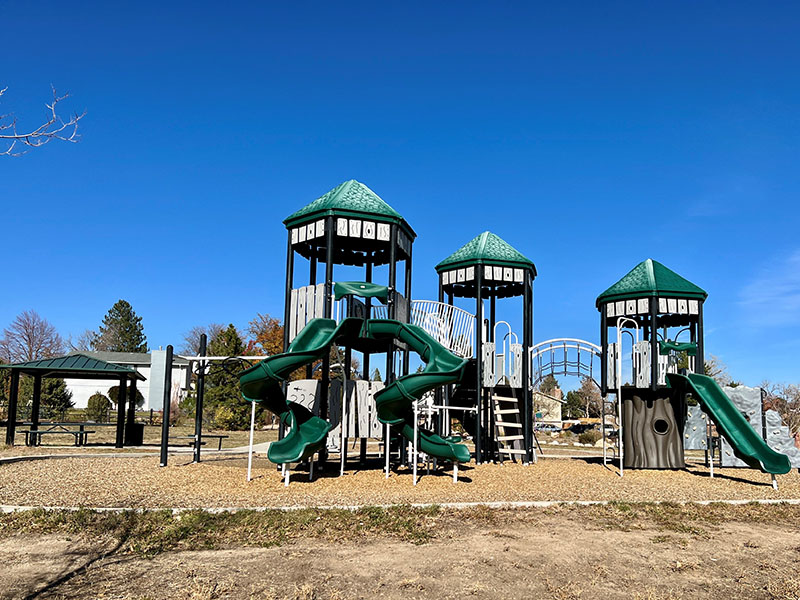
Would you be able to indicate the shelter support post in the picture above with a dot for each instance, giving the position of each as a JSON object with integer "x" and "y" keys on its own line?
{"x": 166, "y": 408}
{"x": 36, "y": 402}
{"x": 13, "y": 396}
{"x": 121, "y": 399}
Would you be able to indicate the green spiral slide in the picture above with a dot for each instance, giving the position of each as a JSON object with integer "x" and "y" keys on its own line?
{"x": 746, "y": 443}
{"x": 262, "y": 383}
{"x": 307, "y": 433}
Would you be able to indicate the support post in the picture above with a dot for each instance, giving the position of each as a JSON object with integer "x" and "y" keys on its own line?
{"x": 36, "y": 402}
{"x": 653, "y": 344}
{"x": 700, "y": 360}
{"x": 130, "y": 420}
{"x": 527, "y": 334}
{"x": 479, "y": 364}
{"x": 603, "y": 351}
{"x": 13, "y": 396}
{"x": 166, "y": 408}
{"x": 250, "y": 447}
{"x": 201, "y": 392}
{"x": 121, "y": 398}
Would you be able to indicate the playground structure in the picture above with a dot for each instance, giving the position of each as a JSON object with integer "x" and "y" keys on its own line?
{"x": 478, "y": 371}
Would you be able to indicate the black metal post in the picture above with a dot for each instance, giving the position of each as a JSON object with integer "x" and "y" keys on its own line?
{"x": 201, "y": 392}
{"x": 603, "y": 350}
{"x": 527, "y": 342}
{"x": 653, "y": 344}
{"x": 13, "y": 397}
{"x": 700, "y": 359}
{"x": 36, "y": 402}
{"x": 130, "y": 420}
{"x": 121, "y": 399}
{"x": 479, "y": 365}
{"x": 289, "y": 285}
{"x": 166, "y": 408}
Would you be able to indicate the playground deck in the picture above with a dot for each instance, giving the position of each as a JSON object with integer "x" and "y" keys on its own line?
{"x": 220, "y": 482}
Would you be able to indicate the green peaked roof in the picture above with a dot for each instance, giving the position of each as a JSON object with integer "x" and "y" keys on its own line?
{"x": 351, "y": 198}
{"x": 77, "y": 364}
{"x": 651, "y": 279}
{"x": 486, "y": 249}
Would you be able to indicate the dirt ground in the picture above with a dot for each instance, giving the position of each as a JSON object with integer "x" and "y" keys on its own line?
{"x": 564, "y": 554}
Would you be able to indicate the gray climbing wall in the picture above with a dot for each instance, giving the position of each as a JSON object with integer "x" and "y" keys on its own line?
{"x": 748, "y": 401}
{"x": 779, "y": 439}
{"x": 694, "y": 432}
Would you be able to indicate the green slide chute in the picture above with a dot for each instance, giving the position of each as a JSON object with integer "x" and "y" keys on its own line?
{"x": 262, "y": 383}
{"x": 307, "y": 433}
{"x": 731, "y": 423}
{"x": 395, "y": 401}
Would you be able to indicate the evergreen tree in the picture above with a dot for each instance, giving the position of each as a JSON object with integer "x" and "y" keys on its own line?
{"x": 55, "y": 400}
{"x": 376, "y": 375}
{"x": 121, "y": 331}
{"x": 548, "y": 385}
{"x": 223, "y": 399}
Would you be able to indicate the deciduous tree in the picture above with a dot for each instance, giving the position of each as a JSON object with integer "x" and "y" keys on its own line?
{"x": 30, "y": 337}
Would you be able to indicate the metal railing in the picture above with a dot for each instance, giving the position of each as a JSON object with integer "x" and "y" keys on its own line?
{"x": 567, "y": 356}
{"x": 452, "y": 327}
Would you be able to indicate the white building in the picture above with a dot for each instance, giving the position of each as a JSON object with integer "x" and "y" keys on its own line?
{"x": 151, "y": 366}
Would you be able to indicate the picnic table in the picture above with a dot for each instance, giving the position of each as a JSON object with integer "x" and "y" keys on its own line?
{"x": 33, "y": 437}
{"x": 191, "y": 440}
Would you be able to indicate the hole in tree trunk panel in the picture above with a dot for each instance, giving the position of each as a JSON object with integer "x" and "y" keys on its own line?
{"x": 661, "y": 426}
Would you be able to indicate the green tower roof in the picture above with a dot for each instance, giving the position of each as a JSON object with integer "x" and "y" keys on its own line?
{"x": 486, "y": 249}
{"x": 651, "y": 279}
{"x": 351, "y": 198}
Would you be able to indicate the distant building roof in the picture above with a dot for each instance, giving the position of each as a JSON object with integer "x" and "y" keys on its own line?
{"x": 651, "y": 279}
{"x": 486, "y": 249}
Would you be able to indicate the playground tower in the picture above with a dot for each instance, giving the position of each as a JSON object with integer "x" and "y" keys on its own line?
{"x": 488, "y": 268}
{"x": 652, "y": 310}
{"x": 349, "y": 225}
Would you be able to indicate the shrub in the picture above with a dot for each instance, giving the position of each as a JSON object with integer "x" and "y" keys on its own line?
{"x": 98, "y": 407}
{"x": 224, "y": 418}
{"x": 589, "y": 437}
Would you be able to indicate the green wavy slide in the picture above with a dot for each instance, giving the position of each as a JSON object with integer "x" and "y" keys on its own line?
{"x": 306, "y": 432}
{"x": 746, "y": 443}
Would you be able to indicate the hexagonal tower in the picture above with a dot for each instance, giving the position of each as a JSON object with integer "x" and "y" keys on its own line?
{"x": 652, "y": 306}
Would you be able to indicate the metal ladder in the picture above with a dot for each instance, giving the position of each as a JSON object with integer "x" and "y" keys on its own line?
{"x": 508, "y": 427}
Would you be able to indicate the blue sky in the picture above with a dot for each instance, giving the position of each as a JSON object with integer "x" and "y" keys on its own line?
{"x": 590, "y": 136}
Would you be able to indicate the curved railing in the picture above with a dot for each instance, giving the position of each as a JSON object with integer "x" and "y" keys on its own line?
{"x": 452, "y": 327}
{"x": 565, "y": 356}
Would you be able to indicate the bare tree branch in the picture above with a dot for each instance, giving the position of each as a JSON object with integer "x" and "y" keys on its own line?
{"x": 55, "y": 128}
{"x": 30, "y": 337}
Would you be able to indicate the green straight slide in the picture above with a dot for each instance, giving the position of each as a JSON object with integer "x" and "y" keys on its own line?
{"x": 731, "y": 423}
{"x": 307, "y": 433}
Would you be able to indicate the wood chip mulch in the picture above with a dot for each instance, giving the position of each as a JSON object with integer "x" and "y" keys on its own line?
{"x": 221, "y": 482}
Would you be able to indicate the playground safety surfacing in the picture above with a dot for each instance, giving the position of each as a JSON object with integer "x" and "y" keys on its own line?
{"x": 219, "y": 482}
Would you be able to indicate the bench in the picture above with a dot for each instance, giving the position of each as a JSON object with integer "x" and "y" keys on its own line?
{"x": 33, "y": 437}
{"x": 191, "y": 440}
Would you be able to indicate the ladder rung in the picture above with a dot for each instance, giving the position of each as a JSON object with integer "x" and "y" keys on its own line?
{"x": 511, "y": 451}
{"x": 504, "y": 399}
{"x": 506, "y": 411}
{"x": 509, "y": 438}
{"x": 504, "y": 424}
